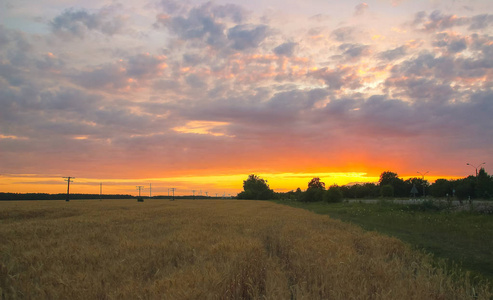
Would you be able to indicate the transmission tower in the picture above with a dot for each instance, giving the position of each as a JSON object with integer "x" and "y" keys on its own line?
{"x": 173, "y": 190}
{"x": 68, "y": 180}
{"x": 140, "y": 188}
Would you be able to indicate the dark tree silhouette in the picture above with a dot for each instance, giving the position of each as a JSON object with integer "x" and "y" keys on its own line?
{"x": 316, "y": 183}
{"x": 256, "y": 188}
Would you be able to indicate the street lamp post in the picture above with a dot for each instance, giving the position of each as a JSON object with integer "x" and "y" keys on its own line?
{"x": 423, "y": 178}
{"x": 476, "y": 167}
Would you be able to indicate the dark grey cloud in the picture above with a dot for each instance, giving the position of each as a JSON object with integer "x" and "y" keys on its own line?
{"x": 483, "y": 44}
{"x": 295, "y": 101}
{"x": 419, "y": 17}
{"x": 320, "y": 17}
{"x": 50, "y": 63}
{"x": 480, "y": 21}
{"x": 196, "y": 82}
{"x": 197, "y": 25}
{"x": 206, "y": 22}
{"x": 336, "y": 79}
{"x": 14, "y": 41}
{"x": 247, "y": 36}
{"x": 343, "y": 34}
{"x": 120, "y": 74}
{"x": 11, "y": 74}
{"x": 453, "y": 44}
{"x": 143, "y": 65}
{"x": 78, "y": 22}
{"x": 447, "y": 68}
{"x": 360, "y": 9}
{"x": 286, "y": 49}
{"x": 437, "y": 21}
{"x": 422, "y": 89}
{"x": 5, "y": 37}
{"x": 171, "y": 6}
{"x": 457, "y": 46}
{"x": 393, "y": 54}
{"x": 354, "y": 50}
{"x": 105, "y": 76}
{"x": 233, "y": 12}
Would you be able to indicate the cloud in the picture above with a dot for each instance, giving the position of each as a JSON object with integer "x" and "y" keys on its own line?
{"x": 244, "y": 87}
{"x": 343, "y": 34}
{"x": 203, "y": 127}
{"x": 320, "y": 18}
{"x": 354, "y": 51}
{"x": 393, "y": 54}
{"x": 207, "y": 22}
{"x": 437, "y": 21}
{"x": 452, "y": 43}
{"x": 122, "y": 74}
{"x": 338, "y": 78}
{"x": 233, "y": 12}
{"x": 360, "y": 9}
{"x": 285, "y": 49}
{"x": 247, "y": 36}
{"x": 481, "y": 21}
{"x": 196, "y": 26}
{"x": 79, "y": 22}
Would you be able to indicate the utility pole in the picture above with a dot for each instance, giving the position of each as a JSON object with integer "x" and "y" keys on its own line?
{"x": 100, "y": 191}
{"x": 193, "y": 191}
{"x": 68, "y": 180}
{"x": 476, "y": 167}
{"x": 173, "y": 190}
{"x": 150, "y": 190}
{"x": 140, "y": 187}
{"x": 423, "y": 178}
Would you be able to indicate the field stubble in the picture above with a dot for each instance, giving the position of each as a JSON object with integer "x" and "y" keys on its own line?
{"x": 161, "y": 249}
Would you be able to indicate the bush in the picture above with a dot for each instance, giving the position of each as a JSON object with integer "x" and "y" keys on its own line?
{"x": 333, "y": 194}
{"x": 313, "y": 194}
{"x": 387, "y": 190}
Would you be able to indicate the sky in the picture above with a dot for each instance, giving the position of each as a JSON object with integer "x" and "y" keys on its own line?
{"x": 196, "y": 95}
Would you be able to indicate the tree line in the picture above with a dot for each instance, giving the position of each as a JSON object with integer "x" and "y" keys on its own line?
{"x": 389, "y": 185}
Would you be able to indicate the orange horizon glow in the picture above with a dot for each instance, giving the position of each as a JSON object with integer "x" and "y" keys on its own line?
{"x": 213, "y": 184}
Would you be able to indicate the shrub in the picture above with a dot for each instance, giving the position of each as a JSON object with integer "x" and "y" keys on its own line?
{"x": 313, "y": 195}
{"x": 387, "y": 190}
{"x": 333, "y": 194}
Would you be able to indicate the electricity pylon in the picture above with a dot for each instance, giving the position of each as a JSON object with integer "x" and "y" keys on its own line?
{"x": 68, "y": 180}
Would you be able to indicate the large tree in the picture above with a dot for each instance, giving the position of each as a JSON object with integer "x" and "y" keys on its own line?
{"x": 392, "y": 179}
{"x": 256, "y": 188}
{"x": 315, "y": 191}
{"x": 316, "y": 183}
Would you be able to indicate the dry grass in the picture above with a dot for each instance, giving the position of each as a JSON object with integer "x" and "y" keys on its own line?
{"x": 205, "y": 250}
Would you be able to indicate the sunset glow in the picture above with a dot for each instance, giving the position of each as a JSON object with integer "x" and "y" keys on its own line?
{"x": 197, "y": 95}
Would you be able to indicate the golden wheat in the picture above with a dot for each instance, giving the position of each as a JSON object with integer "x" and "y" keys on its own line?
{"x": 160, "y": 249}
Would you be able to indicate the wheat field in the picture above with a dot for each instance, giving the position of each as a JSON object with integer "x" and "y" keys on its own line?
{"x": 160, "y": 249}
